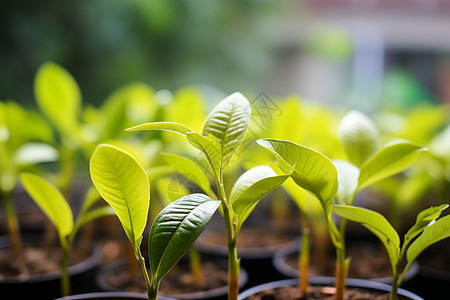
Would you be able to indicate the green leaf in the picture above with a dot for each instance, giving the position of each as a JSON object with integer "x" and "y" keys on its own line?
{"x": 94, "y": 214}
{"x": 166, "y": 126}
{"x": 33, "y": 153}
{"x": 359, "y": 136}
{"x": 251, "y": 187}
{"x": 348, "y": 180}
{"x": 435, "y": 232}
{"x": 377, "y": 224}
{"x": 228, "y": 122}
{"x": 188, "y": 169}
{"x": 300, "y": 196}
{"x": 424, "y": 218}
{"x": 175, "y": 229}
{"x": 210, "y": 147}
{"x": 388, "y": 161}
{"x": 58, "y": 96}
{"x": 124, "y": 185}
{"x": 51, "y": 201}
{"x": 310, "y": 169}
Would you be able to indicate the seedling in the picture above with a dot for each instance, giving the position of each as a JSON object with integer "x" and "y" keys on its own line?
{"x": 123, "y": 183}
{"x": 22, "y": 146}
{"x": 425, "y": 232}
{"x": 222, "y": 133}
{"x": 55, "y": 206}
{"x": 314, "y": 172}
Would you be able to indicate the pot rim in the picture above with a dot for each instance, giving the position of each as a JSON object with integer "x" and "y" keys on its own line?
{"x": 320, "y": 280}
{"x": 111, "y": 295}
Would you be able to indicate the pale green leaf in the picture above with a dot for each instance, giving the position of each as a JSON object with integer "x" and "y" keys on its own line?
{"x": 424, "y": 218}
{"x": 348, "y": 180}
{"x": 94, "y": 214}
{"x": 377, "y": 224}
{"x": 32, "y": 153}
{"x": 91, "y": 197}
{"x": 228, "y": 122}
{"x": 210, "y": 147}
{"x": 251, "y": 187}
{"x": 299, "y": 195}
{"x": 359, "y": 136}
{"x": 188, "y": 169}
{"x": 51, "y": 201}
{"x": 388, "y": 161}
{"x": 310, "y": 169}
{"x": 189, "y": 100}
{"x": 58, "y": 96}
{"x": 130, "y": 104}
{"x": 175, "y": 229}
{"x": 167, "y": 126}
{"x": 124, "y": 185}
{"x": 434, "y": 233}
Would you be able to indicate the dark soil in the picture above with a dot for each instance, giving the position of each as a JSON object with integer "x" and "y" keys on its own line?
{"x": 37, "y": 260}
{"x": 366, "y": 263}
{"x": 320, "y": 292}
{"x": 178, "y": 281}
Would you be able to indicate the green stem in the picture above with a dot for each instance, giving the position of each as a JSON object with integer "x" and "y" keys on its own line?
{"x": 152, "y": 291}
{"x": 196, "y": 266}
{"x": 233, "y": 261}
{"x": 304, "y": 256}
{"x": 13, "y": 225}
{"x": 65, "y": 278}
{"x": 342, "y": 264}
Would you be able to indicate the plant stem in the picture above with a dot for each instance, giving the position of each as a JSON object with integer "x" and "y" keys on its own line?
{"x": 304, "y": 256}
{"x": 233, "y": 261}
{"x": 342, "y": 264}
{"x": 196, "y": 266}
{"x": 65, "y": 278}
{"x": 393, "y": 295}
{"x": 150, "y": 288}
{"x": 13, "y": 225}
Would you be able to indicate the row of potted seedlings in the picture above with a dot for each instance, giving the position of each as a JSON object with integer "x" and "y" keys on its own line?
{"x": 126, "y": 171}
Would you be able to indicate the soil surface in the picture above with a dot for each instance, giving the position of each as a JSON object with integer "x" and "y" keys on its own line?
{"x": 178, "y": 281}
{"x": 37, "y": 260}
{"x": 320, "y": 292}
{"x": 366, "y": 263}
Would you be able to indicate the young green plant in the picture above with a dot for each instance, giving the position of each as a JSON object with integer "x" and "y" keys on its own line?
{"x": 23, "y": 145}
{"x": 314, "y": 172}
{"x": 123, "y": 183}
{"x": 222, "y": 133}
{"x": 57, "y": 209}
{"x": 425, "y": 232}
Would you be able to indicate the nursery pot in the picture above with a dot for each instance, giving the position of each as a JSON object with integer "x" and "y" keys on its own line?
{"x": 111, "y": 296}
{"x": 48, "y": 285}
{"x": 219, "y": 293}
{"x": 328, "y": 282}
{"x": 434, "y": 272}
{"x": 288, "y": 270}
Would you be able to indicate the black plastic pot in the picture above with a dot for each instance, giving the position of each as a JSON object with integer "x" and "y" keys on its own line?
{"x": 431, "y": 282}
{"x": 213, "y": 294}
{"x": 327, "y": 281}
{"x": 111, "y": 296}
{"x": 48, "y": 285}
{"x": 287, "y": 271}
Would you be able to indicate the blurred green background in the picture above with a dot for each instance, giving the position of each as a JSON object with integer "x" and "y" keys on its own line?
{"x": 349, "y": 54}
